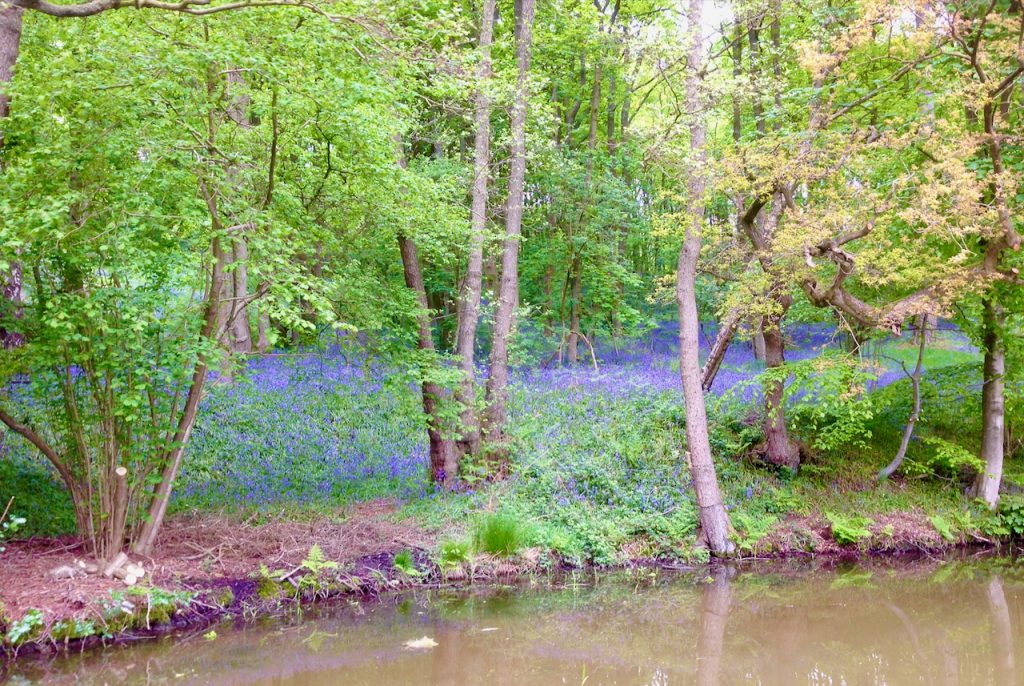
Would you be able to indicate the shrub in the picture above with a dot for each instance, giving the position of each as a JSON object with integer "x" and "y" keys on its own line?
{"x": 1011, "y": 515}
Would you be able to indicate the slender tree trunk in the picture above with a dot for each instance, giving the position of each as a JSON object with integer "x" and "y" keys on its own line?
{"x": 237, "y": 331}
{"x": 241, "y": 328}
{"x": 10, "y": 43}
{"x": 915, "y": 412}
{"x": 504, "y": 320}
{"x": 572, "y": 347}
{"x": 444, "y": 463}
{"x": 469, "y": 305}
{"x": 146, "y": 538}
{"x": 714, "y": 520}
{"x": 718, "y": 349}
{"x": 779, "y": 449}
{"x": 610, "y": 123}
{"x": 263, "y": 332}
{"x": 993, "y": 407}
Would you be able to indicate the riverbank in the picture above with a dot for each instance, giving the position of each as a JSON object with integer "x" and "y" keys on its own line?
{"x": 620, "y": 627}
{"x": 211, "y": 567}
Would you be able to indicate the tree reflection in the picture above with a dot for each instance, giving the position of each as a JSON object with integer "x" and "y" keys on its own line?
{"x": 714, "y": 615}
{"x": 1002, "y": 633}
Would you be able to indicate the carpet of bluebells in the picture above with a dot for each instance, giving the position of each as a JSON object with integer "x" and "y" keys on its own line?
{"x": 321, "y": 429}
{"x": 596, "y": 452}
{"x": 304, "y": 429}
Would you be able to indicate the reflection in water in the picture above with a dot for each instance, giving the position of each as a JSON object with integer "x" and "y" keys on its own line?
{"x": 895, "y": 624}
{"x": 1002, "y": 635}
{"x": 714, "y": 615}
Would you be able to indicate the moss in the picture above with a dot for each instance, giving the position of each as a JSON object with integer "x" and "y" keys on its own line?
{"x": 70, "y": 629}
{"x": 268, "y": 589}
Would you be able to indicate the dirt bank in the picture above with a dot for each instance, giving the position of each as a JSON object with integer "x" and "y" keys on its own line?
{"x": 210, "y": 566}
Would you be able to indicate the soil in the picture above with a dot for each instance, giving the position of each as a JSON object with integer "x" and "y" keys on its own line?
{"x": 204, "y": 552}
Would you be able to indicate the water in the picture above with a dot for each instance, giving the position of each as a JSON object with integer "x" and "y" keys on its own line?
{"x": 887, "y": 622}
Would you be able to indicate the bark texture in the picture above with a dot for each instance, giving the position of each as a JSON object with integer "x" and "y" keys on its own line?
{"x": 469, "y": 298}
{"x": 993, "y": 406}
{"x": 779, "y": 449}
{"x": 714, "y": 520}
{"x": 10, "y": 44}
{"x": 444, "y": 463}
{"x": 508, "y": 297}
{"x": 10, "y": 283}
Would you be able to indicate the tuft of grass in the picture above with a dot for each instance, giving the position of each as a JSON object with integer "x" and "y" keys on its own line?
{"x": 499, "y": 534}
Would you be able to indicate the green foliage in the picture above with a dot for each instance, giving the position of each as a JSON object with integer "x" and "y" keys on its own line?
{"x": 316, "y": 566}
{"x": 944, "y": 527}
{"x": 10, "y": 524}
{"x": 827, "y": 397}
{"x": 71, "y": 629}
{"x": 947, "y": 459}
{"x": 144, "y": 606}
{"x": 751, "y": 528}
{"x": 1011, "y": 515}
{"x": 38, "y": 497}
{"x": 498, "y": 534}
{"x": 405, "y": 563}
{"x": 454, "y": 552}
{"x": 26, "y": 628}
{"x": 849, "y": 529}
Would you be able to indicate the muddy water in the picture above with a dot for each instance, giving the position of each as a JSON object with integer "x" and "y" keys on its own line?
{"x": 928, "y": 622}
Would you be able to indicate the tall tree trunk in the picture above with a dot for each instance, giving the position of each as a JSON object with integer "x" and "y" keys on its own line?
{"x": 263, "y": 332}
{"x": 10, "y": 43}
{"x": 444, "y": 464}
{"x": 714, "y": 520}
{"x": 993, "y": 407}
{"x": 572, "y": 347}
{"x": 469, "y": 306}
{"x": 241, "y": 328}
{"x": 508, "y": 298}
{"x": 779, "y": 449}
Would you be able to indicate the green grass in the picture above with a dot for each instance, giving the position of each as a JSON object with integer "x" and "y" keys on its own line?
{"x": 499, "y": 534}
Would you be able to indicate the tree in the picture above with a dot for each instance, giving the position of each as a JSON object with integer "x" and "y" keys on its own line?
{"x": 714, "y": 520}
{"x": 469, "y": 305}
{"x": 508, "y": 295}
{"x": 120, "y": 202}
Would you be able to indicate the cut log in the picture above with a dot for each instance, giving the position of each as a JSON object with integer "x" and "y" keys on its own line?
{"x": 119, "y": 511}
{"x": 114, "y": 565}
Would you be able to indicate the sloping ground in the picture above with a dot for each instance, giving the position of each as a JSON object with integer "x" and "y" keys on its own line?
{"x": 199, "y": 551}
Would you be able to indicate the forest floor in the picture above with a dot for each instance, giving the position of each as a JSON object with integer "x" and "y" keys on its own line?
{"x": 202, "y": 552}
